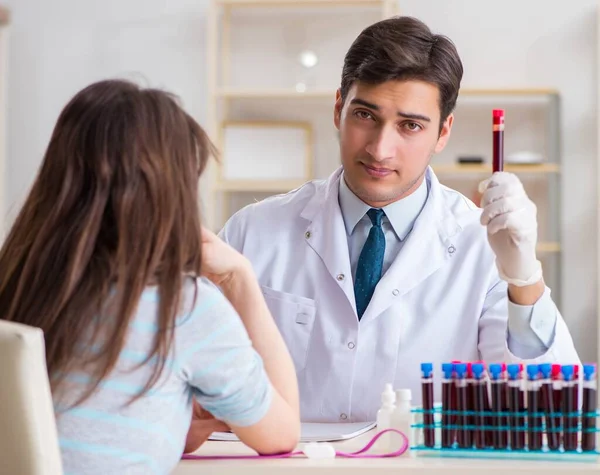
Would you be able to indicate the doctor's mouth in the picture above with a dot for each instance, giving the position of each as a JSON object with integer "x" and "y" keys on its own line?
{"x": 377, "y": 172}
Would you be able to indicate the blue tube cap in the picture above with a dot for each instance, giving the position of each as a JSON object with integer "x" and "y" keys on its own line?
{"x": 447, "y": 369}
{"x": 546, "y": 370}
{"x": 477, "y": 369}
{"x": 532, "y": 371}
{"x": 589, "y": 370}
{"x": 567, "y": 371}
{"x": 426, "y": 369}
{"x": 513, "y": 371}
{"x": 495, "y": 371}
{"x": 461, "y": 369}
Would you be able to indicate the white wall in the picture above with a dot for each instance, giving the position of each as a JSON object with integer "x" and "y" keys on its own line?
{"x": 60, "y": 46}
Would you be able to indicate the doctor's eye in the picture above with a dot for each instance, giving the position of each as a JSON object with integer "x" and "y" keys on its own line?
{"x": 363, "y": 114}
{"x": 412, "y": 126}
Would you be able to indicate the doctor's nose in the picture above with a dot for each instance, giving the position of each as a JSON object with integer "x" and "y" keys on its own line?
{"x": 383, "y": 145}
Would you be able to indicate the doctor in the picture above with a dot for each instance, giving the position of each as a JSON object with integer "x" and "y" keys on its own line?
{"x": 380, "y": 267}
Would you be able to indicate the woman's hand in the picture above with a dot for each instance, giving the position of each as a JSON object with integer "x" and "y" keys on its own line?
{"x": 203, "y": 424}
{"x": 220, "y": 262}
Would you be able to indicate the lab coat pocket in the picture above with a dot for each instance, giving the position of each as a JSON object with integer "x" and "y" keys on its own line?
{"x": 295, "y": 317}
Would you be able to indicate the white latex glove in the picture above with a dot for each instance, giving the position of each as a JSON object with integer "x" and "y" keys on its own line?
{"x": 511, "y": 220}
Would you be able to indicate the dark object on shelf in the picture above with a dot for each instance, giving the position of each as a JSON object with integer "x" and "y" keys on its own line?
{"x": 470, "y": 160}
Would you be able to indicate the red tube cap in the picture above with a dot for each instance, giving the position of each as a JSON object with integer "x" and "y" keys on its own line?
{"x": 556, "y": 371}
{"x": 498, "y": 116}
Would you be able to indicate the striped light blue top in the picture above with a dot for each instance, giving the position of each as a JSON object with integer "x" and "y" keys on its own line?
{"x": 212, "y": 359}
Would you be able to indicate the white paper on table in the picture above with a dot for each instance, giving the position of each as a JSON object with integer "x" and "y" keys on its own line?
{"x": 316, "y": 431}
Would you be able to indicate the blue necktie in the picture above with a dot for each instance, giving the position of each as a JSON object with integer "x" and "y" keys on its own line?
{"x": 370, "y": 263}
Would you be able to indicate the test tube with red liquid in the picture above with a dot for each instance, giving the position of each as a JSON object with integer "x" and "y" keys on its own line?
{"x": 480, "y": 391}
{"x": 516, "y": 404}
{"x": 548, "y": 408}
{"x": 498, "y": 139}
{"x": 448, "y": 387}
{"x": 427, "y": 394}
{"x": 464, "y": 430}
{"x": 534, "y": 421}
{"x": 500, "y": 424}
{"x": 569, "y": 407}
{"x": 588, "y": 418}
{"x": 557, "y": 384}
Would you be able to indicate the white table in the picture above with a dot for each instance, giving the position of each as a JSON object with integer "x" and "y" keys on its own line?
{"x": 403, "y": 465}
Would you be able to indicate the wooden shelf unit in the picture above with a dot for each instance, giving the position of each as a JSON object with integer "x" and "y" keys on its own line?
{"x": 220, "y": 96}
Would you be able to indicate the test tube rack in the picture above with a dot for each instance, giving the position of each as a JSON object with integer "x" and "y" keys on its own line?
{"x": 486, "y": 425}
{"x": 418, "y": 429}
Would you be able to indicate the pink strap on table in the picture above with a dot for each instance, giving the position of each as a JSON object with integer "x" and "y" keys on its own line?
{"x": 358, "y": 454}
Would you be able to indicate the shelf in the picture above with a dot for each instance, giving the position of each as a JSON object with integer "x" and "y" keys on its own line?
{"x": 240, "y": 93}
{"x": 289, "y": 93}
{"x": 509, "y": 92}
{"x": 476, "y": 169}
{"x": 259, "y": 185}
{"x": 548, "y": 247}
{"x": 300, "y": 3}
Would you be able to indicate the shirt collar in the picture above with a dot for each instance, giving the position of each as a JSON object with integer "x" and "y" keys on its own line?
{"x": 401, "y": 214}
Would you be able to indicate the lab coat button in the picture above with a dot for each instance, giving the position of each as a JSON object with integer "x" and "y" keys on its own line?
{"x": 451, "y": 249}
{"x": 307, "y": 234}
{"x": 343, "y": 416}
{"x": 340, "y": 277}
{"x": 351, "y": 345}
{"x": 395, "y": 292}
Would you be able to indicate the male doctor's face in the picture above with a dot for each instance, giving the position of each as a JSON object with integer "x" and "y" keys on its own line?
{"x": 388, "y": 134}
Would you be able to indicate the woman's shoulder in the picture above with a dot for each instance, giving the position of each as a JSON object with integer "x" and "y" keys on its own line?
{"x": 201, "y": 298}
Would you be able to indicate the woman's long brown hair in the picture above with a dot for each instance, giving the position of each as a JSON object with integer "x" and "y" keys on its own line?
{"x": 113, "y": 209}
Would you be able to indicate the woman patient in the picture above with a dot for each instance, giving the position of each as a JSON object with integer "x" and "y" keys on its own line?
{"x": 144, "y": 312}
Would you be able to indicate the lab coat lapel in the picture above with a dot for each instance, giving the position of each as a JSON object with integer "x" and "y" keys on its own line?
{"x": 428, "y": 246}
{"x": 326, "y": 234}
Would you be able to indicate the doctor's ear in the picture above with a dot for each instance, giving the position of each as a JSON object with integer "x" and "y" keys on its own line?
{"x": 337, "y": 109}
{"x": 444, "y": 134}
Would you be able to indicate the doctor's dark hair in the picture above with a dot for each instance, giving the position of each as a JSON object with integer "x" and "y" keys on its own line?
{"x": 404, "y": 48}
{"x": 114, "y": 208}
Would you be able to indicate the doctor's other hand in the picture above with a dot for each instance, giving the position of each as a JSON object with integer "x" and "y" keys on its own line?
{"x": 202, "y": 426}
{"x": 511, "y": 221}
{"x": 220, "y": 261}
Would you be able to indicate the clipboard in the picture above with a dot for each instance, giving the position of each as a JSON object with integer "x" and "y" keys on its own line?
{"x": 315, "y": 431}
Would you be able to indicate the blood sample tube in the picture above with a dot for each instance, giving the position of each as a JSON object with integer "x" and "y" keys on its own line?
{"x": 454, "y": 404}
{"x": 516, "y": 404}
{"x": 499, "y": 422}
{"x": 534, "y": 421}
{"x": 498, "y": 139}
{"x": 489, "y": 433}
{"x": 427, "y": 394}
{"x": 471, "y": 400}
{"x": 464, "y": 431}
{"x": 588, "y": 418}
{"x": 569, "y": 407}
{"x": 447, "y": 388}
{"x": 547, "y": 406}
{"x": 557, "y": 384}
{"x": 480, "y": 393}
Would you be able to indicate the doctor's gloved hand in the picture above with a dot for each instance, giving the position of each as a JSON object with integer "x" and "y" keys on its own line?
{"x": 511, "y": 221}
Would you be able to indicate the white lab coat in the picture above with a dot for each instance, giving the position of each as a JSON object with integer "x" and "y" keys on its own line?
{"x": 440, "y": 300}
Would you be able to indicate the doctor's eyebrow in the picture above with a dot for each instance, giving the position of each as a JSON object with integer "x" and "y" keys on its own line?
{"x": 406, "y": 115}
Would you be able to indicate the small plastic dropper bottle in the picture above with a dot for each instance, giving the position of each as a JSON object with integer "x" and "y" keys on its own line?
{"x": 384, "y": 415}
{"x": 401, "y": 419}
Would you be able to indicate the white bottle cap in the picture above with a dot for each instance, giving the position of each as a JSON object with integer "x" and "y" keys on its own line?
{"x": 403, "y": 395}
{"x": 388, "y": 396}
{"x": 318, "y": 450}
